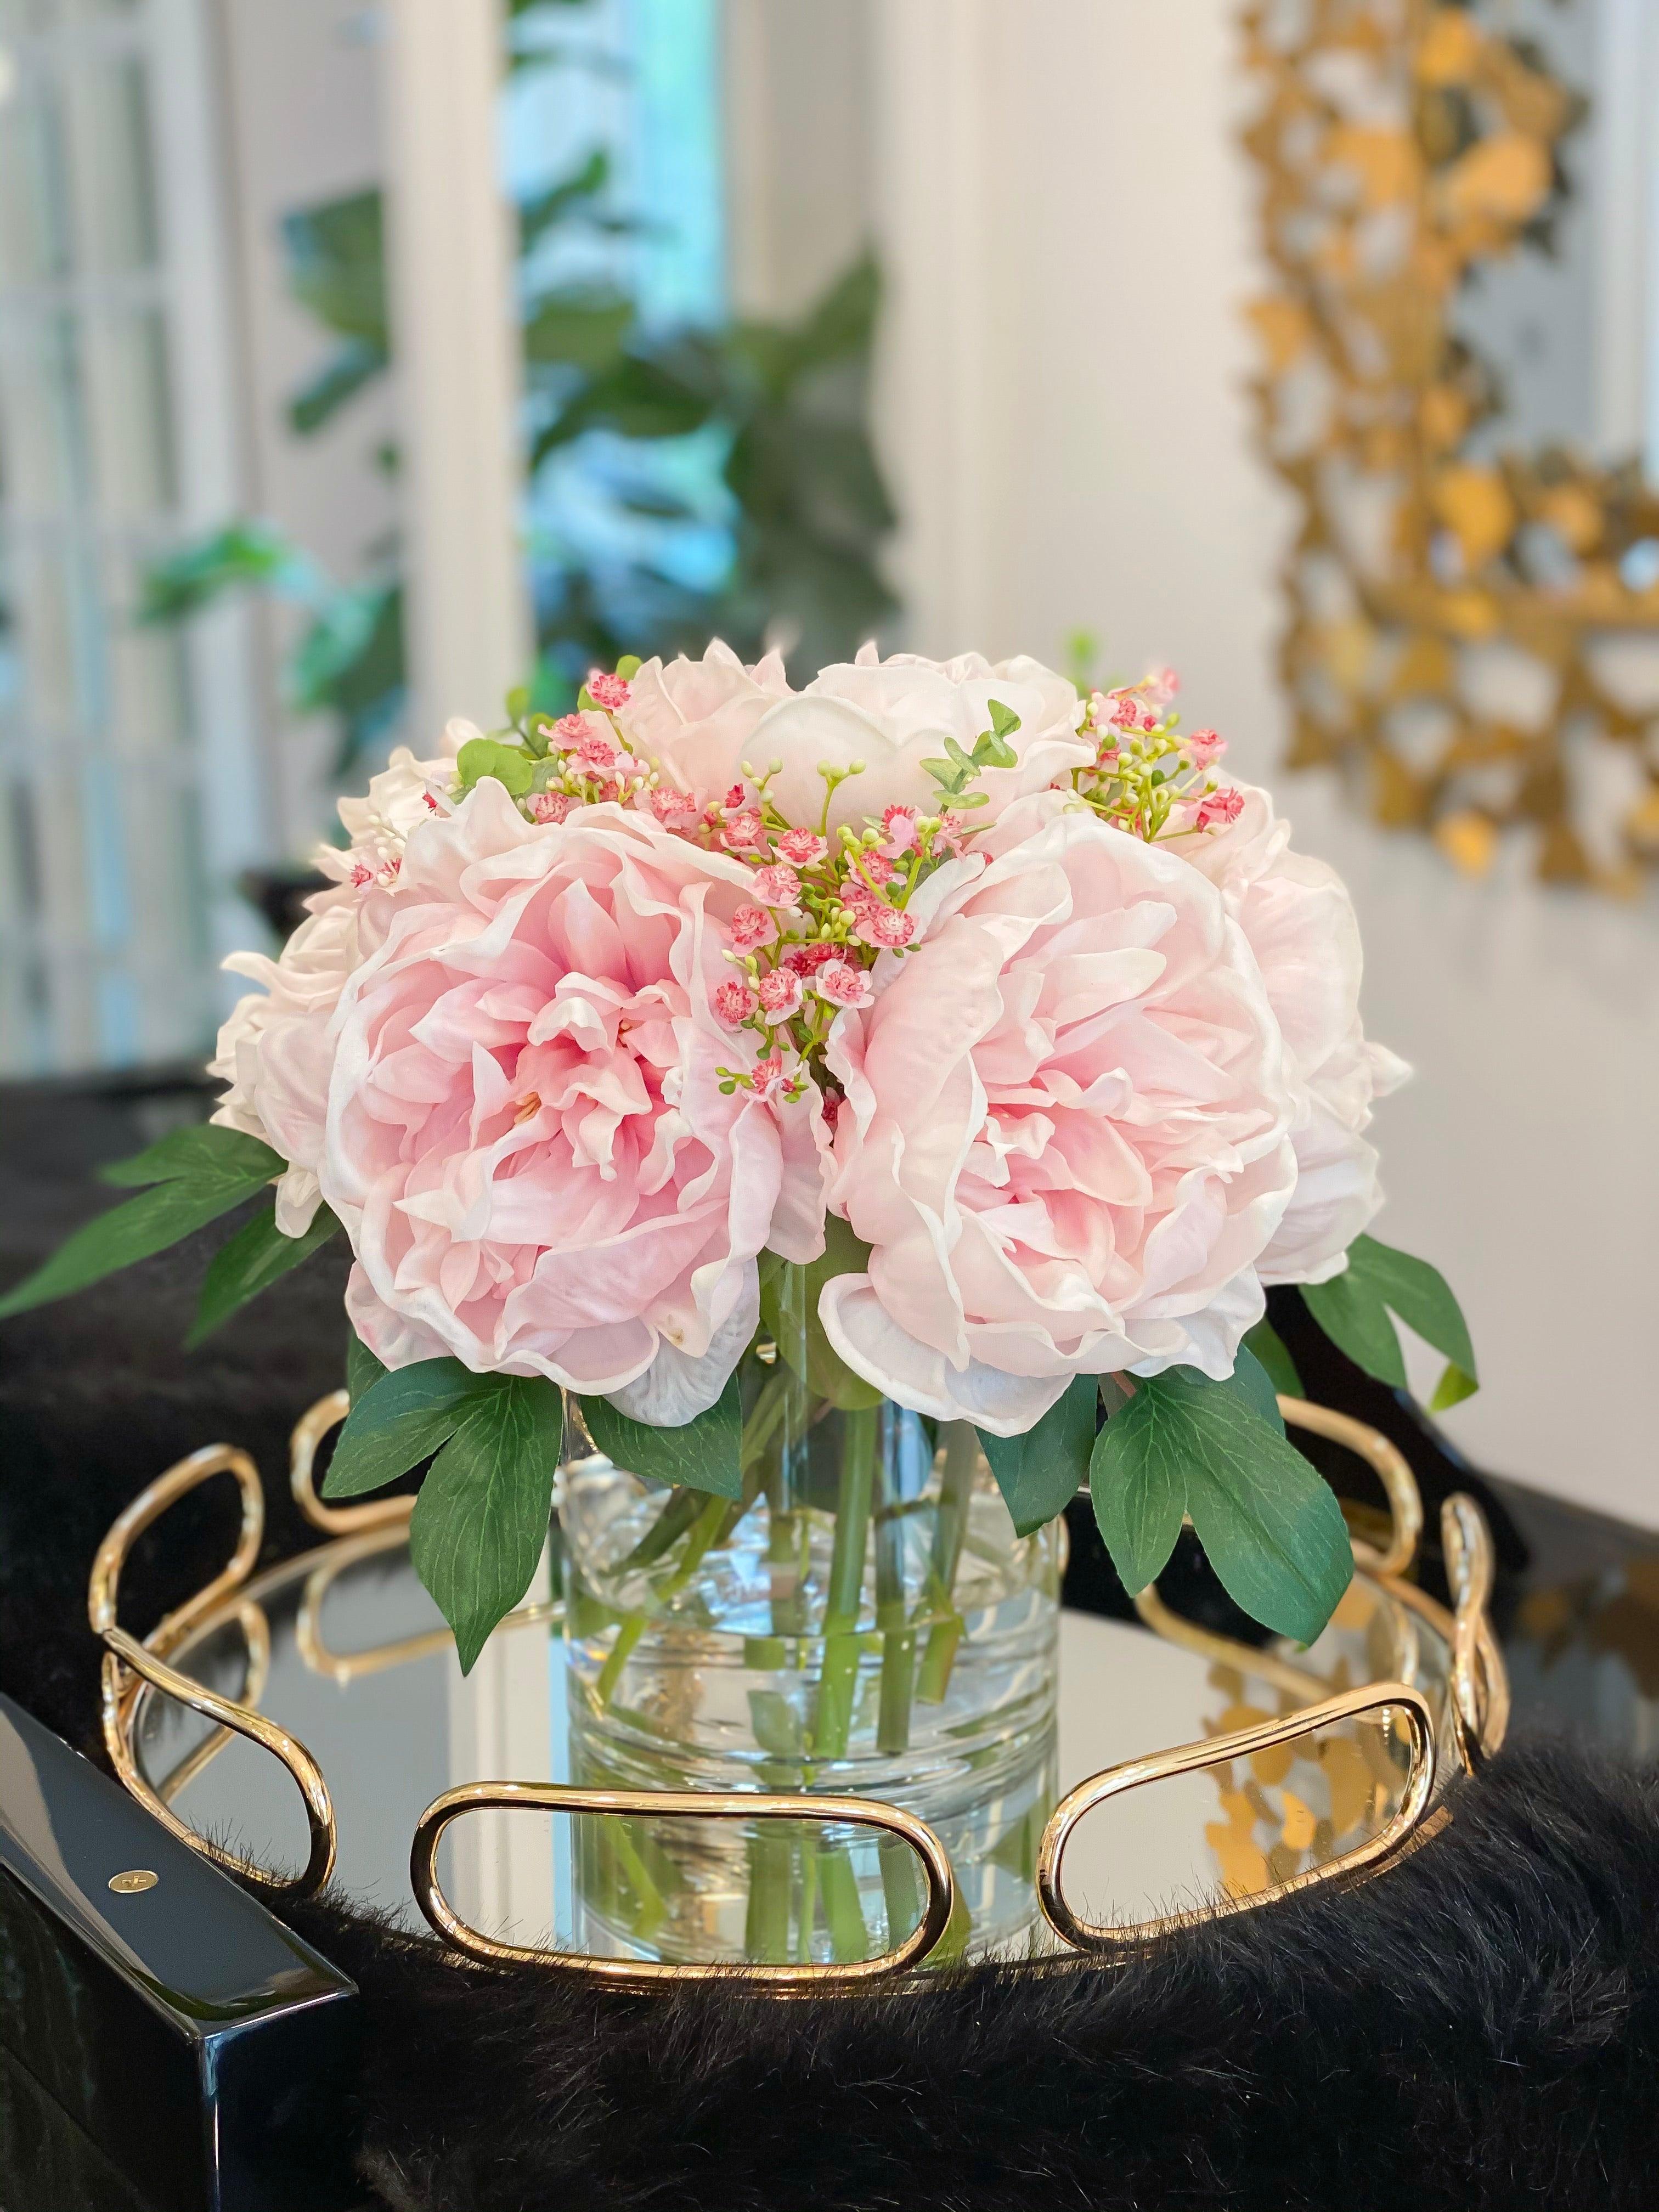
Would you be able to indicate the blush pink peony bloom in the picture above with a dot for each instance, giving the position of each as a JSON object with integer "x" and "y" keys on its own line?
{"x": 526, "y": 1137}
{"x": 273, "y": 1051}
{"x": 1302, "y": 927}
{"x": 1065, "y": 1135}
{"x": 698, "y": 719}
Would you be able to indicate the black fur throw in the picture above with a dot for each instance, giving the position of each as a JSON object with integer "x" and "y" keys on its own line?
{"x": 1477, "y": 2028}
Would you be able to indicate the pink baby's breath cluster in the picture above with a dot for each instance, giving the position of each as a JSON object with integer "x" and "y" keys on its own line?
{"x": 1148, "y": 776}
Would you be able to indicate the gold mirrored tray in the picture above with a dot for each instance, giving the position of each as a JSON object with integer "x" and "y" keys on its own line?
{"x": 312, "y": 1722}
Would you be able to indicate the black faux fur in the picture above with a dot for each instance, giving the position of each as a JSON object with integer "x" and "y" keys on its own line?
{"x": 1480, "y": 2029}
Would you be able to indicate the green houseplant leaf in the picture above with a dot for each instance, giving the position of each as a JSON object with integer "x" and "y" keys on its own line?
{"x": 1269, "y": 1348}
{"x": 193, "y": 1176}
{"x": 400, "y": 1419}
{"x": 1040, "y": 1472}
{"x": 1356, "y": 1307}
{"x": 702, "y": 1454}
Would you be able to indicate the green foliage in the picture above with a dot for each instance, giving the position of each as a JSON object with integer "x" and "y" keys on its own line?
{"x": 1040, "y": 1472}
{"x": 1269, "y": 1348}
{"x": 1272, "y": 1528}
{"x": 248, "y": 553}
{"x": 363, "y": 1368}
{"x": 191, "y": 1176}
{"x": 482, "y": 756}
{"x": 1355, "y": 1311}
{"x": 702, "y": 1454}
{"x": 991, "y": 749}
{"x": 256, "y": 1256}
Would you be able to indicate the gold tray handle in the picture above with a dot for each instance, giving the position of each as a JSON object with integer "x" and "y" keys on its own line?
{"x": 1390, "y": 1467}
{"x": 127, "y": 1663}
{"x": 334, "y": 1520}
{"x": 1479, "y": 1681}
{"x": 691, "y": 1805}
{"x": 1364, "y": 1858}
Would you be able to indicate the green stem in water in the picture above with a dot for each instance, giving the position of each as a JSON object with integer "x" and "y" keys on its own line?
{"x": 845, "y": 1591}
{"x": 716, "y": 1517}
{"x": 950, "y": 1526}
{"x": 849, "y": 1934}
{"x": 898, "y": 1638}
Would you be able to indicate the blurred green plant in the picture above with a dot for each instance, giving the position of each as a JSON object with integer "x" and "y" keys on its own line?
{"x": 786, "y": 483}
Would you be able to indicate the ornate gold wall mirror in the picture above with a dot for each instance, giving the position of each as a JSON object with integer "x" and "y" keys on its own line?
{"x": 1461, "y": 387}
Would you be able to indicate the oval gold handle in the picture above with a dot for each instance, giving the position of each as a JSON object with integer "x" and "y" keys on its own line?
{"x": 125, "y": 1651}
{"x": 333, "y": 1520}
{"x": 1216, "y": 1751}
{"x": 103, "y": 1588}
{"x": 1479, "y": 1682}
{"x": 690, "y": 1805}
{"x": 1392, "y": 1469}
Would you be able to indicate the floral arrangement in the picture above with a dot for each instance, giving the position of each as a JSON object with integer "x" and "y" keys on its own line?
{"x": 984, "y": 1010}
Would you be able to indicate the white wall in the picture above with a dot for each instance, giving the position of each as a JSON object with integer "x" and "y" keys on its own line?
{"x": 1068, "y": 222}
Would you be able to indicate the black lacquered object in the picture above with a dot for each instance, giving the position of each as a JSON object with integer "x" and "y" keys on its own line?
{"x": 165, "y": 2045}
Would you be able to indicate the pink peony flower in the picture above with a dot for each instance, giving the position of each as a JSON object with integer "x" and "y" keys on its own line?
{"x": 753, "y": 928}
{"x": 526, "y": 1139}
{"x": 1301, "y": 925}
{"x": 781, "y": 993}
{"x": 778, "y": 886}
{"x": 843, "y": 983}
{"x": 609, "y": 691}
{"x": 698, "y": 719}
{"x": 1065, "y": 1129}
{"x": 735, "y": 1003}
{"x": 802, "y": 849}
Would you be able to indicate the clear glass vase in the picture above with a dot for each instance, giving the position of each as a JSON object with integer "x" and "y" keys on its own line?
{"x": 862, "y": 1620}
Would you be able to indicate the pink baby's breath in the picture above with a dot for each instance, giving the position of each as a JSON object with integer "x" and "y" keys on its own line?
{"x": 753, "y": 928}
{"x": 742, "y": 832}
{"x": 1205, "y": 747}
{"x": 777, "y": 885}
{"x": 570, "y": 730}
{"x": 842, "y": 984}
{"x": 735, "y": 1003}
{"x": 608, "y": 692}
{"x": 807, "y": 959}
{"x": 803, "y": 849}
{"x": 551, "y": 805}
{"x": 767, "y": 1075}
{"x": 781, "y": 993}
{"x": 885, "y": 926}
{"x": 898, "y": 830}
{"x": 1216, "y": 806}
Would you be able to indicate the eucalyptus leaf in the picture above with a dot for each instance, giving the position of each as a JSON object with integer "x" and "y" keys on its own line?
{"x": 399, "y": 1421}
{"x": 1040, "y": 1472}
{"x": 481, "y": 1519}
{"x": 256, "y": 1256}
{"x": 701, "y": 1455}
{"x": 509, "y": 765}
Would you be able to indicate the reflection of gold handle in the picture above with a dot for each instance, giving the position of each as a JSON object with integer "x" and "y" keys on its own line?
{"x": 256, "y": 1635}
{"x": 1392, "y": 1469}
{"x": 1300, "y": 1682}
{"x": 344, "y": 1667}
{"x": 1189, "y": 1759}
{"x": 690, "y": 1805}
{"x": 1479, "y": 1682}
{"x": 127, "y": 1663}
{"x": 334, "y": 1520}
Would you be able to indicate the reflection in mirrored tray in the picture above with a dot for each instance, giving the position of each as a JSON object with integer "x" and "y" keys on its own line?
{"x": 344, "y": 1648}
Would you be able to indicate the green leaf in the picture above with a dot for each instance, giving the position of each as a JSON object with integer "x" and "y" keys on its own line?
{"x": 629, "y": 666}
{"x": 481, "y": 1519}
{"x": 336, "y": 265}
{"x": 363, "y": 1368}
{"x": 1266, "y": 1345}
{"x": 254, "y": 1259}
{"x": 1352, "y": 1315}
{"x": 789, "y": 1309}
{"x": 1272, "y": 1528}
{"x": 1138, "y": 1487}
{"x": 1253, "y": 1381}
{"x": 1040, "y": 1472}
{"x": 1004, "y": 721}
{"x": 1452, "y": 1388}
{"x": 482, "y": 756}
{"x": 205, "y": 1149}
{"x": 341, "y": 378}
{"x": 702, "y": 1455}
{"x": 1421, "y": 1295}
{"x": 183, "y": 1198}
{"x": 399, "y": 1421}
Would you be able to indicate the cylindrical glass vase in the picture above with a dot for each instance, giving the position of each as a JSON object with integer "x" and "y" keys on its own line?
{"x": 861, "y": 1620}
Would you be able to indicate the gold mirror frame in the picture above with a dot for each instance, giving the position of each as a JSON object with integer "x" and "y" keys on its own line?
{"x": 1371, "y": 640}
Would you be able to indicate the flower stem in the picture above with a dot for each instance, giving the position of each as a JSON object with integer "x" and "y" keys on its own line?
{"x": 898, "y": 1638}
{"x": 845, "y": 1591}
{"x": 950, "y": 1526}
